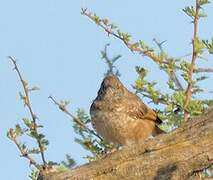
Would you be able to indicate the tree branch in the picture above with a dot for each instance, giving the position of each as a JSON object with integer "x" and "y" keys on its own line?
{"x": 173, "y": 156}
{"x": 192, "y": 65}
{"x": 28, "y": 104}
{"x": 133, "y": 47}
{"x": 63, "y": 108}
{"x": 23, "y": 151}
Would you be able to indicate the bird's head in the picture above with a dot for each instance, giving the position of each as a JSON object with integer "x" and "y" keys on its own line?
{"x": 111, "y": 85}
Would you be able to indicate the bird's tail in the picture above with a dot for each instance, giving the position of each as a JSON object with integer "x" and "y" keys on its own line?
{"x": 158, "y": 120}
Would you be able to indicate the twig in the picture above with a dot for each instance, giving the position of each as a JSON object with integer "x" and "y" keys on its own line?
{"x": 201, "y": 70}
{"x": 159, "y": 100}
{"x": 194, "y": 57}
{"x": 159, "y": 44}
{"x": 184, "y": 56}
{"x": 175, "y": 79}
{"x": 172, "y": 75}
{"x": 23, "y": 153}
{"x": 130, "y": 46}
{"x": 140, "y": 50}
{"x": 110, "y": 62}
{"x": 75, "y": 119}
{"x": 28, "y": 104}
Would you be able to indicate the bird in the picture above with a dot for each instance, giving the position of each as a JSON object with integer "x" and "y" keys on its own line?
{"x": 120, "y": 116}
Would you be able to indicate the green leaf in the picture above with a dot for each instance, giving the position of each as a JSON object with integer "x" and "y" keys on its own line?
{"x": 184, "y": 66}
{"x": 126, "y": 37}
{"x": 208, "y": 45}
{"x": 34, "y": 151}
{"x": 145, "y": 47}
{"x": 185, "y": 76}
{"x": 134, "y": 45}
{"x": 81, "y": 114}
{"x": 179, "y": 98}
{"x": 44, "y": 142}
{"x": 201, "y": 78}
{"x": 203, "y": 2}
{"x": 34, "y": 174}
{"x": 96, "y": 19}
{"x": 195, "y": 107}
{"x": 171, "y": 84}
{"x": 169, "y": 108}
{"x": 139, "y": 84}
{"x": 142, "y": 72}
{"x": 18, "y": 130}
{"x": 199, "y": 46}
{"x": 41, "y": 136}
{"x": 211, "y": 47}
{"x": 28, "y": 122}
{"x": 190, "y": 11}
{"x": 33, "y": 134}
{"x": 153, "y": 93}
{"x": 35, "y": 88}
{"x": 70, "y": 162}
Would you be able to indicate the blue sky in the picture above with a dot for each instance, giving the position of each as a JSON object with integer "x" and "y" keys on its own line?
{"x": 59, "y": 50}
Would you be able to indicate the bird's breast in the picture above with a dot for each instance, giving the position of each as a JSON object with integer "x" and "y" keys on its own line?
{"x": 119, "y": 128}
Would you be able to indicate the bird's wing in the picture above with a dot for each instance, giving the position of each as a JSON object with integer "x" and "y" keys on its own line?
{"x": 135, "y": 108}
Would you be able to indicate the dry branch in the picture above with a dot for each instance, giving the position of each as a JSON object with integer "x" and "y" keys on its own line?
{"x": 176, "y": 155}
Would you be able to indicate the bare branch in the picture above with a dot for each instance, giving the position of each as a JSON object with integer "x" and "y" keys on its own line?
{"x": 159, "y": 44}
{"x": 129, "y": 45}
{"x": 23, "y": 152}
{"x": 63, "y": 108}
{"x": 133, "y": 48}
{"x": 28, "y": 104}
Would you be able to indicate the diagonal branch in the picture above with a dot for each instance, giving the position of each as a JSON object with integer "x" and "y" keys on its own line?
{"x": 23, "y": 152}
{"x": 177, "y": 155}
{"x": 75, "y": 119}
{"x": 133, "y": 47}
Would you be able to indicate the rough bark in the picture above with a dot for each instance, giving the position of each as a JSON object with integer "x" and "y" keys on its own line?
{"x": 176, "y": 155}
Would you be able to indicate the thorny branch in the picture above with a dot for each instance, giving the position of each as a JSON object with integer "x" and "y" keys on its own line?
{"x": 63, "y": 108}
{"x": 23, "y": 152}
{"x": 192, "y": 65}
{"x": 131, "y": 46}
{"x": 111, "y": 30}
{"x": 28, "y": 104}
